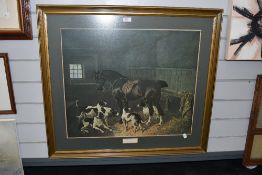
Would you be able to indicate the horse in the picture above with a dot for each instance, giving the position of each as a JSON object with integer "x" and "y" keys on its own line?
{"x": 125, "y": 90}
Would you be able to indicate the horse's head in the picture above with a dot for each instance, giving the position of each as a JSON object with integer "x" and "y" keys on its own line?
{"x": 100, "y": 80}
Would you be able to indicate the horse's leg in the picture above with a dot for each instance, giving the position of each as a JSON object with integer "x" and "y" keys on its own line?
{"x": 157, "y": 102}
{"x": 160, "y": 119}
{"x": 149, "y": 104}
{"x": 160, "y": 113}
{"x": 120, "y": 107}
{"x": 159, "y": 108}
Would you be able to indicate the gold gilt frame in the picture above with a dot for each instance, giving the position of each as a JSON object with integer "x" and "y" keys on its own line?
{"x": 214, "y": 14}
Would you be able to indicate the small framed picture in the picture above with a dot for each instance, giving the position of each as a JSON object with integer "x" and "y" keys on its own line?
{"x": 15, "y": 20}
{"x": 7, "y": 102}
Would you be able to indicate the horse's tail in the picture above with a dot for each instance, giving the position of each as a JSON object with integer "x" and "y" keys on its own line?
{"x": 162, "y": 83}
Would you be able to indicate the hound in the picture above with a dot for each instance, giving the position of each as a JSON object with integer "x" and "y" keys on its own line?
{"x": 87, "y": 122}
{"x": 107, "y": 111}
{"x": 86, "y": 118}
{"x": 99, "y": 122}
{"x": 92, "y": 117}
{"x": 146, "y": 113}
{"x": 134, "y": 118}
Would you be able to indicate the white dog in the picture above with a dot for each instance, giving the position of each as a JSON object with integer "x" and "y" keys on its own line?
{"x": 99, "y": 123}
{"x": 155, "y": 113}
{"x": 107, "y": 111}
{"x": 133, "y": 118}
{"x": 92, "y": 117}
{"x": 87, "y": 120}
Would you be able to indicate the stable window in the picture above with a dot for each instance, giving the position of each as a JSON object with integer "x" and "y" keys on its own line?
{"x": 76, "y": 71}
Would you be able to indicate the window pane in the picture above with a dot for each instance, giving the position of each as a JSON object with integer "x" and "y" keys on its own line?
{"x": 75, "y": 71}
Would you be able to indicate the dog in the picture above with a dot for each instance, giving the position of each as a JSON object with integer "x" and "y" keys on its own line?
{"x": 86, "y": 118}
{"x": 86, "y": 122}
{"x": 107, "y": 111}
{"x": 99, "y": 122}
{"x": 146, "y": 112}
{"x": 92, "y": 117}
{"x": 133, "y": 118}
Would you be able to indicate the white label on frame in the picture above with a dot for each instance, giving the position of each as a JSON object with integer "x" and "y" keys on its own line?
{"x": 130, "y": 140}
{"x": 127, "y": 19}
{"x": 4, "y": 93}
{"x": 184, "y": 135}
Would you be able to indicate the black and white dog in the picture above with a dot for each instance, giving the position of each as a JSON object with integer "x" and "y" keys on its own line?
{"x": 93, "y": 116}
{"x": 86, "y": 118}
{"x": 150, "y": 114}
{"x": 133, "y": 118}
{"x": 106, "y": 111}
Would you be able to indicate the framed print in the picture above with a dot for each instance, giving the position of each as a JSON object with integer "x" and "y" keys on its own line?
{"x": 15, "y": 20}
{"x": 7, "y": 102}
{"x": 124, "y": 81}
{"x": 253, "y": 152}
{"x": 244, "y": 41}
{"x": 9, "y": 153}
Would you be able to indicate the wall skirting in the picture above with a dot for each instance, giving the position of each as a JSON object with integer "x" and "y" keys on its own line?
{"x": 133, "y": 160}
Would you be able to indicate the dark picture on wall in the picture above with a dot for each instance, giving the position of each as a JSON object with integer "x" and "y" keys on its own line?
{"x": 127, "y": 81}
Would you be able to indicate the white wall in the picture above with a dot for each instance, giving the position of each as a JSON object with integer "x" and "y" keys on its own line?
{"x": 233, "y": 92}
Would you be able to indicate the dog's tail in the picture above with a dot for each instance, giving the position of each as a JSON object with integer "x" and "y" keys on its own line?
{"x": 77, "y": 104}
{"x": 162, "y": 83}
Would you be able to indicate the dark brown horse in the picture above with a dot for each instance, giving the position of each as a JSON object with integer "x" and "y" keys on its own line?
{"x": 124, "y": 89}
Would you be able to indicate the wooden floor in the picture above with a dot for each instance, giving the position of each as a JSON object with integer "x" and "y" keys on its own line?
{"x": 221, "y": 167}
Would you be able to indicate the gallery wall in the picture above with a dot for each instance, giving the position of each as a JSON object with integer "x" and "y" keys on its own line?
{"x": 233, "y": 89}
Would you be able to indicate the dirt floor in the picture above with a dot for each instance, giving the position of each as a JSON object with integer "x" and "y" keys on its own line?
{"x": 171, "y": 125}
